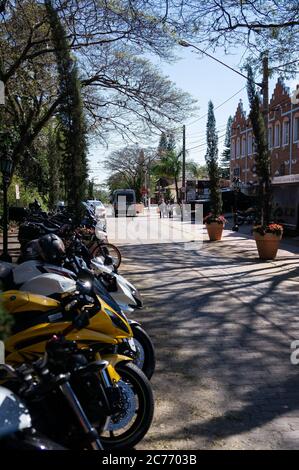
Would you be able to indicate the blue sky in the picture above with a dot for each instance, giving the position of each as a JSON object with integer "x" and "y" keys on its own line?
{"x": 204, "y": 79}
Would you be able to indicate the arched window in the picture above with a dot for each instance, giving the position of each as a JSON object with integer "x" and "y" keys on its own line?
{"x": 277, "y": 135}
{"x": 243, "y": 150}
{"x": 286, "y": 132}
{"x": 296, "y": 128}
{"x": 249, "y": 144}
{"x": 233, "y": 150}
{"x": 270, "y": 136}
{"x": 238, "y": 148}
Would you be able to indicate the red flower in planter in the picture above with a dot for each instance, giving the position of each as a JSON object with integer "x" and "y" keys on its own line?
{"x": 210, "y": 218}
{"x": 275, "y": 229}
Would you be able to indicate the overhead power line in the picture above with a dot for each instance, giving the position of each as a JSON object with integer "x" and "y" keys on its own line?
{"x": 188, "y": 44}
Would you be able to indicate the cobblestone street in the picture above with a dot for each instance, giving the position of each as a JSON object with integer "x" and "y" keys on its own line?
{"x": 222, "y": 322}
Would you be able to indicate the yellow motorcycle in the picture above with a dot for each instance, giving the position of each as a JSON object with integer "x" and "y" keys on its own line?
{"x": 37, "y": 318}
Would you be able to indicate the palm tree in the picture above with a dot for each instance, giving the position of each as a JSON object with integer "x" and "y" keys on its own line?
{"x": 170, "y": 166}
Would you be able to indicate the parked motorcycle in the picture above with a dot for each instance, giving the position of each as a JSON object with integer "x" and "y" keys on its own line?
{"x": 47, "y": 279}
{"x": 16, "y": 428}
{"x": 247, "y": 217}
{"x": 91, "y": 231}
{"x": 38, "y": 318}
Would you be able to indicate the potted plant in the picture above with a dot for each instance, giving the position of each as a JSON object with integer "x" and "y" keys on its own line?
{"x": 214, "y": 221}
{"x": 267, "y": 238}
{"x": 214, "y": 226}
{"x": 266, "y": 233}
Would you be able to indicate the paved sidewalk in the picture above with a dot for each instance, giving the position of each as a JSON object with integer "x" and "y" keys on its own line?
{"x": 222, "y": 322}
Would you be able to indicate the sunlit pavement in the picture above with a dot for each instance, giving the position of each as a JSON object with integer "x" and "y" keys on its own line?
{"x": 222, "y": 322}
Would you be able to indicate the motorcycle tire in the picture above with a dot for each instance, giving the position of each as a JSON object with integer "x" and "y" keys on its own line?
{"x": 142, "y": 416}
{"x": 145, "y": 345}
{"x": 107, "y": 249}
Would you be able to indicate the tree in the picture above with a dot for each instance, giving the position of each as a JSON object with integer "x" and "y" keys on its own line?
{"x": 254, "y": 24}
{"x": 127, "y": 168}
{"x": 122, "y": 90}
{"x": 226, "y": 154}
{"x": 197, "y": 171}
{"x": 90, "y": 189}
{"x": 170, "y": 167}
{"x": 70, "y": 115}
{"x": 212, "y": 163}
{"x": 162, "y": 147}
{"x": 262, "y": 157}
{"x": 171, "y": 144}
{"x": 55, "y": 166}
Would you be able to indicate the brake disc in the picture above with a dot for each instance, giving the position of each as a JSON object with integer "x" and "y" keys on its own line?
{"x": 128, "y": 408}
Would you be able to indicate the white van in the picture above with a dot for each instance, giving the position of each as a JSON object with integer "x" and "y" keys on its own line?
{"x": 124, "y": 202}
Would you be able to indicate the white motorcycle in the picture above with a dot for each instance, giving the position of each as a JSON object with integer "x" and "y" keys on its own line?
{"x": 50, "y": 280}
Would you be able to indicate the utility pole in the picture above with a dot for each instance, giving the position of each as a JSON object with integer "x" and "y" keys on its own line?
{"x": 184, "y": 164}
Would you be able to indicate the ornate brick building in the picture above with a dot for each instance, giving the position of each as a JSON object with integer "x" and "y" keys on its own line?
{"x": 283, "y": 135}
{"x": 283, "y": 138}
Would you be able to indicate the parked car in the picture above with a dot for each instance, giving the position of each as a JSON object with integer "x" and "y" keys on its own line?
{"x": 97, "y": 206}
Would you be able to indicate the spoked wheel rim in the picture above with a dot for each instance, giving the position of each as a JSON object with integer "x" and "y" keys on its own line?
{"x": 140, "y": 418}
{"x": 107, "y": 249}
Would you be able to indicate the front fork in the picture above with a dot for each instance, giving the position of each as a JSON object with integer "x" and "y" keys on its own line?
{"x": 90, "y": 432}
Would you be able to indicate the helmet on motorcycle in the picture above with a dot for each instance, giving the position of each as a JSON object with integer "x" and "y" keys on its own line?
{"x": 51, "y": 248}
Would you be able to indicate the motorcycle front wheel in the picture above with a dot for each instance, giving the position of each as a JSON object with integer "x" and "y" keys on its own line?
{"x": 146, "y": 357}
{"x": 108, "y": 249}
{"x": 129, "y": 426}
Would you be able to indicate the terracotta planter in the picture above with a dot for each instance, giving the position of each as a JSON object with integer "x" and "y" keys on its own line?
{"x": 215, "y": 231}
{"x": 267, "y": 245}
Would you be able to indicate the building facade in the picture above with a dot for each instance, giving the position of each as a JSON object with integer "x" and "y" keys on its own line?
{"x": 283, "y": 137}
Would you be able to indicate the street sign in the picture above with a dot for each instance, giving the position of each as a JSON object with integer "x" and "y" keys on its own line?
{"x": 17, "y": 192}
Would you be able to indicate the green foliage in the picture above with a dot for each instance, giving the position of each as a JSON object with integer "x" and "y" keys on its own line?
{"x": 212, "y": 163}
{"x": 195, "y": 170}
{"x": 27, "y": 194}
{"x": 226, "y": 154}
{"x": 171, "y": 144}
{"x": 71, "y": 116}
{"x": 102, "y": 193}
{"x": 170, "y": 167}
{"x": 167, "y": 143}
{"x": 262, "y": 157}
{"x": 162, "y": 147}
{"x": 55, "y": 163}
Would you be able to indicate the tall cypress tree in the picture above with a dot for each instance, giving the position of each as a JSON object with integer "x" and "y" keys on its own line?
{"x": 226, "y": 154}
{"x": 54, "y": 157}
{"x": 71, "y": 116}
{"x": 212, "y": 163}
{"x": 262, "y": 158}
